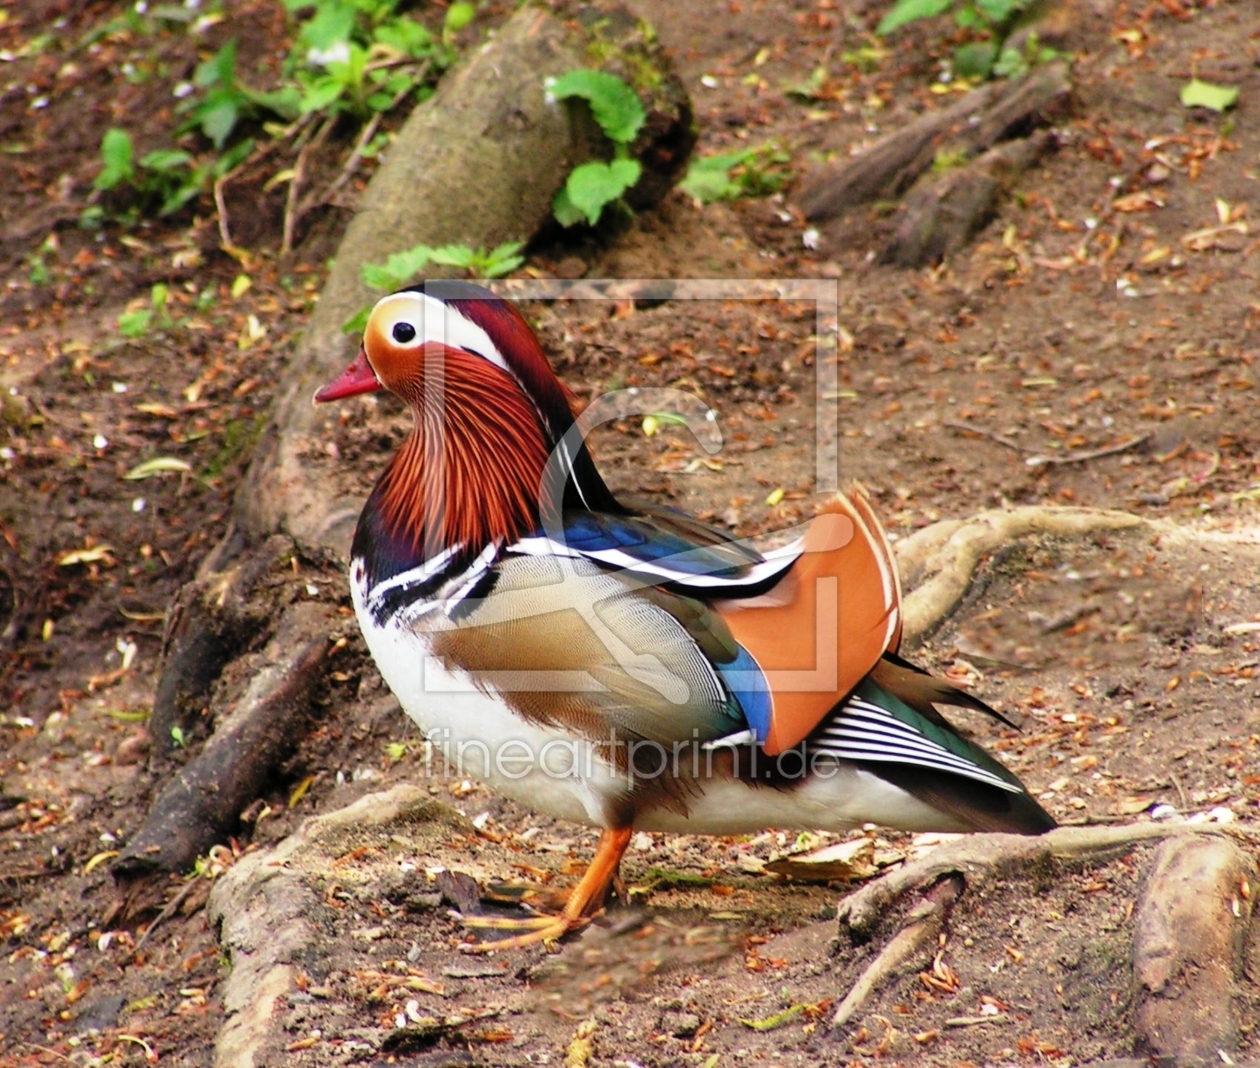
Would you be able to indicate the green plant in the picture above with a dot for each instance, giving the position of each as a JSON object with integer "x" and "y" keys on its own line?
{"x": 349, "y": 58}
{"x": 37, "y": 263}
{"x": 166, "y": 179}
{"x": 994, "y": 19}
{"x": 225, "y": 100}
{"x": 592, "y": 186}
{"x": 403, "y": 266}
{"x": 239, "y": 438}
{"x": 749, "y": 172}
{"x": 137, "y": 322}
{"x": 812, "y": 88}
{"x": 865, "y": 58}
{"x": 361, "y": 56}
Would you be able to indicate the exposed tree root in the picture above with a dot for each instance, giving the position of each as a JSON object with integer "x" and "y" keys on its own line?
{"x": 203, "y": 802}
{"x": 906, "y": 947}
{"x": 939, "y": 561}
{"x": 978, "y": 857}
{"x": 212, "y": 620}
{"x": 1191, "y": 932}
{"x": 1188, "y": 949}
{"x": 943, "y": 214}
{"x": 994, "y": 112}
{"x": 268, "y": 907}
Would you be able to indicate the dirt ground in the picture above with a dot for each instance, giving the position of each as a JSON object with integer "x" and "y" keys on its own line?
{"x": 1113, "y": 298}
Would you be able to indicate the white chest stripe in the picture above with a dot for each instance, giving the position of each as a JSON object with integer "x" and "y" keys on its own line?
{"x": 470, "y": 578}
{"x": 415, "y": 576}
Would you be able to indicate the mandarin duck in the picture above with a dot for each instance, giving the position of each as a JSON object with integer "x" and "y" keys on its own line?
{"x": 630, "y": 667}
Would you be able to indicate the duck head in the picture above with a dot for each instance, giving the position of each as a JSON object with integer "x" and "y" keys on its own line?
{"x": 420, "y": 328}
{"x": 488, "y": 412}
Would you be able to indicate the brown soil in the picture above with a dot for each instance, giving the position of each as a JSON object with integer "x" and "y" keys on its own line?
{"x": 1071, "y": 324}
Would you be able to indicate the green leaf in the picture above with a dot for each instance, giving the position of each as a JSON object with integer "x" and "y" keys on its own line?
{"x": 179, "y": 197}
{"x": 1012, "y": 63}
{"x": 453, "y": 256}
{"x": 233, "y": 156}
{"x": 594, "y": 185}
{"x": 968, "y": 18}
{"x": 357, "y": 322}
{"x": 165, "y": 159}
{"x": 616, "y": 107}
{"x": 458, "y": 15}
{"x": 727, "y": 175}
{"x": 332, "y": 25}
{"x": 320, "y": 93}
{"x": 1197, "y": 94}
{"x": 708, "y": 179}
{"x": 135, "y": 323}
{"x": 809, "y": 90}
{"x": 503, "y": 260}
{"x": 396, "y": 82}
{"x": 157, "y": 466}
{"x": 1000, "y": 11}
{"x": 975, "y": 59}
{"x": 777, "y": 1020}
{"x": 219, "y": 69}
{"x": 116, "y": 155}
{"x": 400, "y": 267}
{"x": 405, "y": 36}
{"x": 285, "y": 101}
{"x": 217, "y": 116}
{"x": 910, "y": 11}
{"x": 564, "y": 209}
{"x": 378, "y": 276}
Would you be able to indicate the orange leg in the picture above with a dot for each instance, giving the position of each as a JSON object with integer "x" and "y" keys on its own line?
{"x": 585, "y": 901}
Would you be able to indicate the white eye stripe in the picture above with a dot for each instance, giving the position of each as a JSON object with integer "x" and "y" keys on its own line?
{"x": 435, "y": 320}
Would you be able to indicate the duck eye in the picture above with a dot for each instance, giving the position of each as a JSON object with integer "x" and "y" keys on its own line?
{"x": 404, "y": 333}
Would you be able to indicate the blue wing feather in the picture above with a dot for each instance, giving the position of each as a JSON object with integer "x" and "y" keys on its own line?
{"x": 645, "y": 541}
{"x": 748, "y": 684}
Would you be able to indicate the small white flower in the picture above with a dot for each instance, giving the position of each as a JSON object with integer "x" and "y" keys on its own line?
{"x": 810, "y": 238}
{"x": 138, "y": 504}
{"x": 709, "y": 82}
{"x": 335, "y": 53}
{"x": 182, "y": 90}
{"x": 100, "y": 441}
